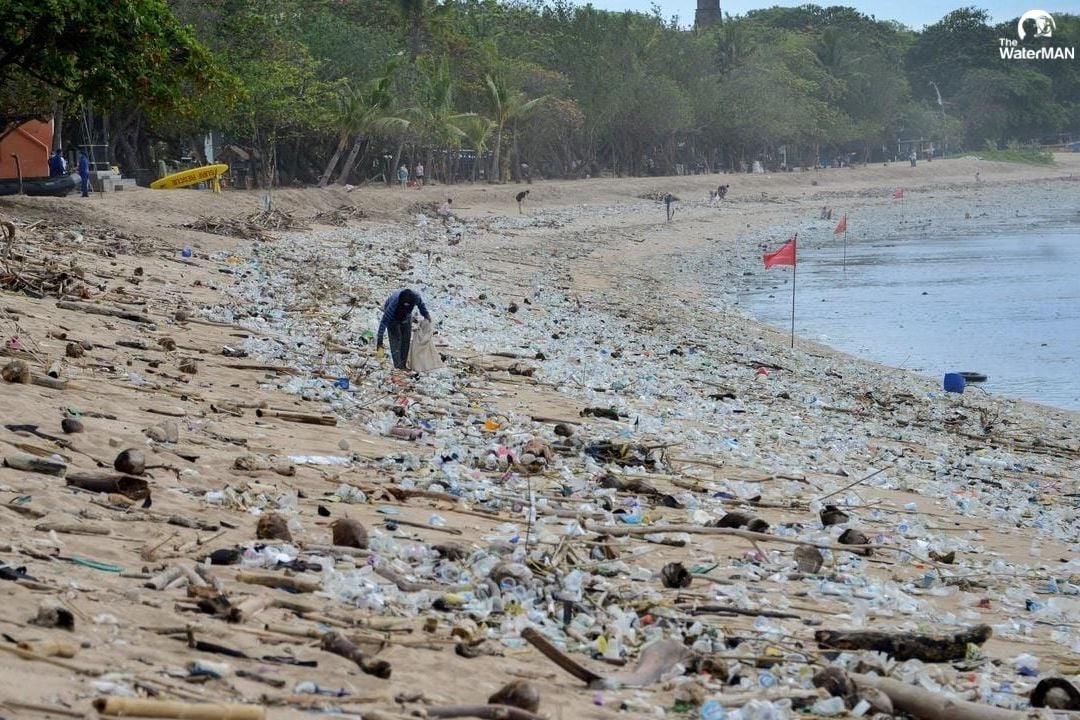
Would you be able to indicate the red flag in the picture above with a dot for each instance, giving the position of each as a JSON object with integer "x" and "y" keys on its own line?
{"x": 841, "y": 227}
{"x": 898, "y": 193}
{"x": 785, "y": 255}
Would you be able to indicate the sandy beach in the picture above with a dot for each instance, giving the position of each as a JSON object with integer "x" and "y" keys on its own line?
{"x": 587, "y": 299}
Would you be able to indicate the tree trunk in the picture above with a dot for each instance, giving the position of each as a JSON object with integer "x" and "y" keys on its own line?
{"x": 391, "y": 176}
{"x": 515, "y": 160}
{"x": 58, "y": 125}
{"x": 325, "y": 177}
{"x": 346, "y": 171}
{"x": 495, "y": 159}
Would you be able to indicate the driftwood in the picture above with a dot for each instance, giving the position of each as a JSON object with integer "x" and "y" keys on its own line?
{"x": 29, "y": 463}
{"x": 904, "y": 646}
{"x": 298, "y": 417}
{"x": 338, "y": 644}
{"x": 734, "y": 532}
{"x": 926, "y": 705}
{"x": 119, "y": 706}
{"x": 489, "y": 712}
{"x": 127, "y": 485}
{"x": 272, "y": 580}
{"x": 656, "y": 660}
{"x": 103, "y": 310}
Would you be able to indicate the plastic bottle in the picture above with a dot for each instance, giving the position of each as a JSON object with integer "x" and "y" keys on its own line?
{"x": 712, "y": 710}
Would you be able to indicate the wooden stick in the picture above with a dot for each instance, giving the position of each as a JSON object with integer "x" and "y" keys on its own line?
{"x": 103, "y": 310}
{"x": 557, "y": 656}
{"x": 298, "y": 417}
{"x": 28, "y": 655}
{"x": 178, "y": 710}
{"x": 72, "y": 529}
{"x": 48, "y": 382}
{"x": 278, "y": 581}
{"x": 734, "y": 532}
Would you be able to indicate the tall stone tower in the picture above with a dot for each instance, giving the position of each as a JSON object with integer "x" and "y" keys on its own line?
{"x": 708, "y": 13}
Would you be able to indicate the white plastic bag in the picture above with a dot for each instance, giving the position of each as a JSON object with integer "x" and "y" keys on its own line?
{"x": 423, "y": 357}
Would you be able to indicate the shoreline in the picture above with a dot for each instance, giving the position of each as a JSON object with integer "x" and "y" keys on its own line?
{"x": 589, "y": 271}
{"x": 1044, "y": 206}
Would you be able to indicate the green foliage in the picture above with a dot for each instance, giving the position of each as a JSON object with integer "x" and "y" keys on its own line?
{"x": 569, "y": 88}
{"x": 1016, "y": 155}
{"x": 109, "y": 53}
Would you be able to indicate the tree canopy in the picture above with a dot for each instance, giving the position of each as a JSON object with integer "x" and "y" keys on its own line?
{"x": 475, "y": 88}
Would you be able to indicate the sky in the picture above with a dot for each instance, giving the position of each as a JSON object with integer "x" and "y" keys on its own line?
{"x": 913, "y": 13}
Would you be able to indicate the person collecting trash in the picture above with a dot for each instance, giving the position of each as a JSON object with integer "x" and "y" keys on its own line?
{"x": 396, "y": 322}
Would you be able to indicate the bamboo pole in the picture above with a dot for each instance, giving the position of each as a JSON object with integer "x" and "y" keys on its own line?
{"x": 117, "y": 706}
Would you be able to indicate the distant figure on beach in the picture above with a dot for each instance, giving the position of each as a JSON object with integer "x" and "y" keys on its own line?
{"x": 402, "y": 176}
{"x": 396, "y": 323}
{"x": 721, "y": 192}
{"x": 520, "y": 197}
{"x": 826, "y": 212}
{"x": 913, "y": 157}
{"x": 445, "y": 210}
{"x": 977, "y": 180}
{"x": 57, "y": 164}
{"x": 419, "y": 174}
{"x": 84, "y": 173}
{"x": 525, "y": 173}
{"x": 668, "y": 199}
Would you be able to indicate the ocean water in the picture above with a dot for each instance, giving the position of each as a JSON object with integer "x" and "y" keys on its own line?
{"x": 1006, "y": 304}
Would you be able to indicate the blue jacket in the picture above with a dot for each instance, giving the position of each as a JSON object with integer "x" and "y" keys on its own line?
{"x": 57, "y": 166}
{"x": 84, "y": 165}
{"x": 398, "y": 308}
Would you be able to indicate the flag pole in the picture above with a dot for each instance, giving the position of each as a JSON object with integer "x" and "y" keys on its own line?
{"x": 794, "y": 267}
{"x": 845, "y": 244}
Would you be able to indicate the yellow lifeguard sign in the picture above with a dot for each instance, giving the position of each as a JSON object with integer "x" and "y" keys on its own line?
{"x": 192, "y": 176}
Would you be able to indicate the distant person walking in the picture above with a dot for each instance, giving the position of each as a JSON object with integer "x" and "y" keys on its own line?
{"x": 520, "y": 197}
{"x": 419, "y": 174}
{"x": 525, "y": 173}
{"x": 668, "y": 199}
{"x": 402, "y": 176}
{"x": 396, "y": 323}
{"x": 913, "y": 158}
{"x": 84, "y": 173}
{"x": 57, "y": 164}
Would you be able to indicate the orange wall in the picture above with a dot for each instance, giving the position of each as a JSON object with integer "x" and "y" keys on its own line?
{"x": 31, "y": 141}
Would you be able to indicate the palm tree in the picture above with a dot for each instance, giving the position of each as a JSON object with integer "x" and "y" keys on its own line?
{"x": 378, "y": 103}
{"x": 348, "y": 112}
{"x": 360, "y": 114}
{"x": 507, "y": 106}
{"x": 434, "y": 121}
{"x": 477, "y": 130}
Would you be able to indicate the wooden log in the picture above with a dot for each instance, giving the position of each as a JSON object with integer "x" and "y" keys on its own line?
{"x": 278, "y": 581}
{"x": 137, "y": 707}
{"x": 905, "y": 646}
{"x": 297, "y": 417}
{"x": 164, "y": 578}
{"x": 103, "y": 310}
{"x": 926, "y": 705}
{"x": 486, "y": 712}
{"x": 29, "y": 463}
{"x": 70, "y": 529}
{"x": 338, "y": 644}
{"x": 127, "y": 485}
{"x": 48, "y": 382}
